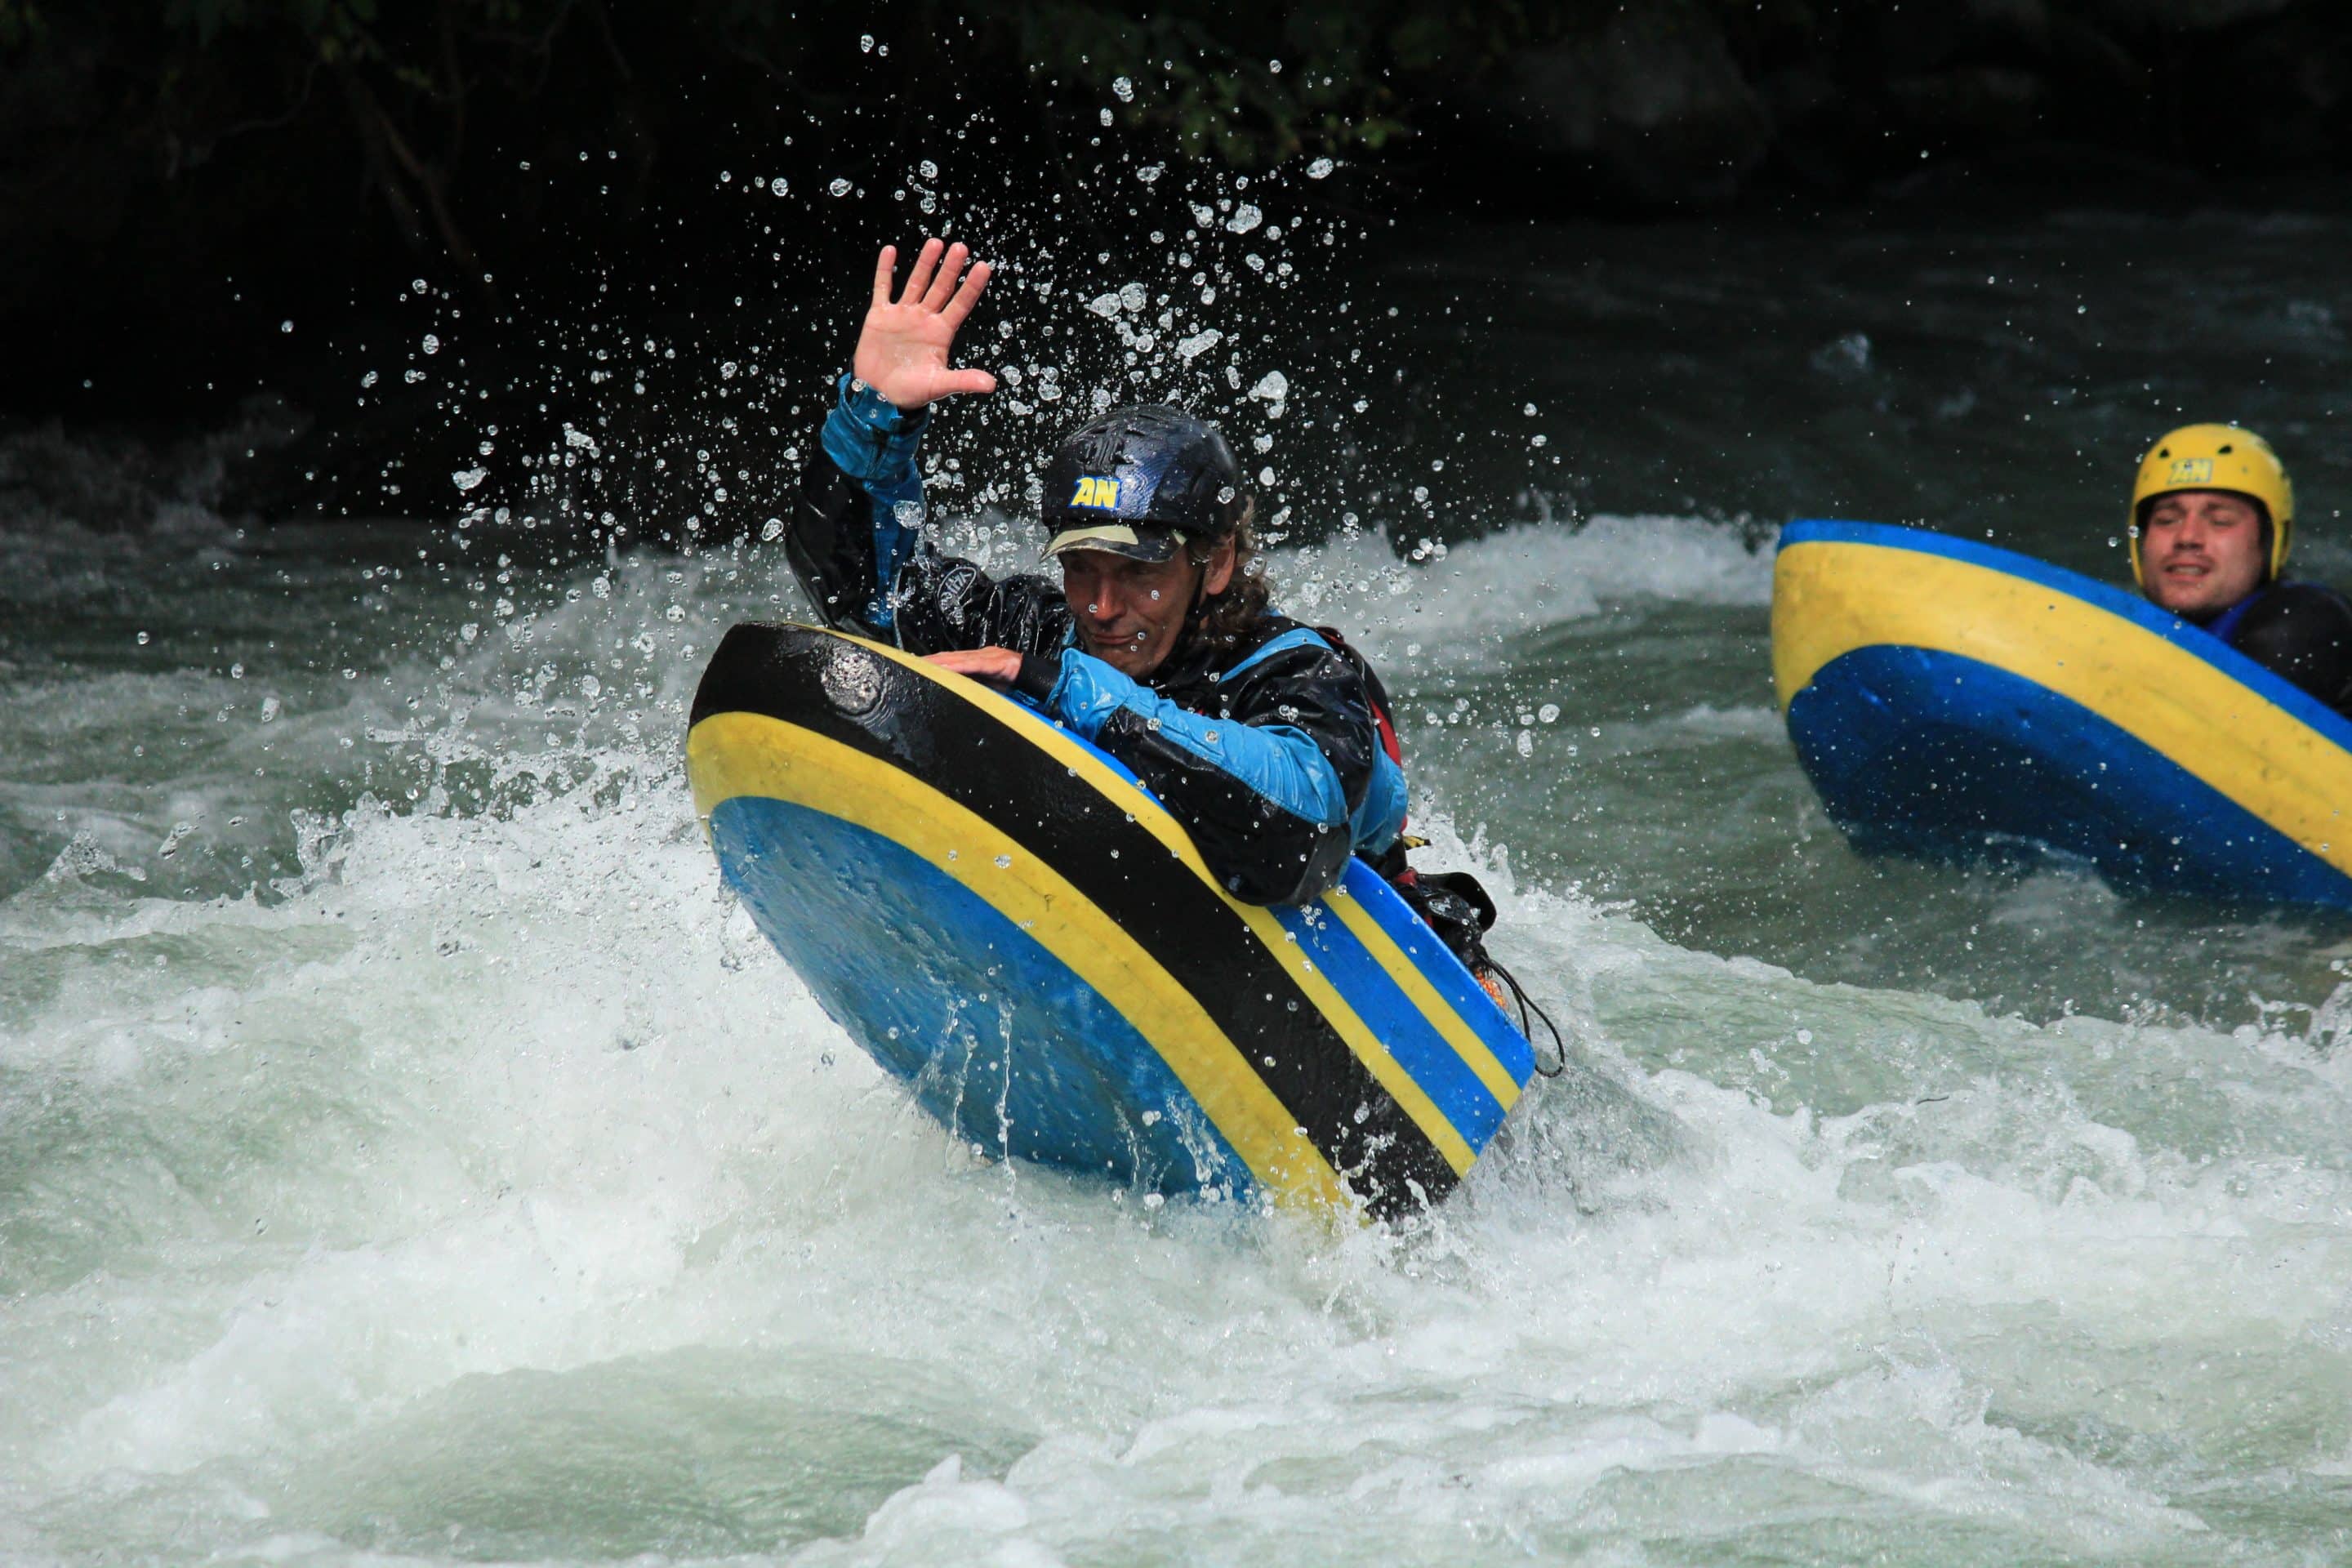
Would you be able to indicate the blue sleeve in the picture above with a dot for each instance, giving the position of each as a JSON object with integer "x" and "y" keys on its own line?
{"x": 873, "y": 442}
{"x": 1381, "y": 818}
{"x": 1281, "y": 764}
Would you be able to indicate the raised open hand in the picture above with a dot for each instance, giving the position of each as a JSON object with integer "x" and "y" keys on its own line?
{"x": 902, "y": 351}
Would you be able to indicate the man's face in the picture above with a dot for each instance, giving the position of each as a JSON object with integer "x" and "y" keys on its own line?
{"x": 1131, "y": 613}
{"x": 2200, "y": 552}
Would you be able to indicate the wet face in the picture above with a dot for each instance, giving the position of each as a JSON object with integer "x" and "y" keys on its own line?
{"x": 1131, "y": 613}
{"x": 2202, "y": 550}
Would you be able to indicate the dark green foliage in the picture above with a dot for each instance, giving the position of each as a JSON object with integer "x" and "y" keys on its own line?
{"x": 1249, "y": 90}
{"x": 308, "y": 146}
{"x": 20, "y": 24}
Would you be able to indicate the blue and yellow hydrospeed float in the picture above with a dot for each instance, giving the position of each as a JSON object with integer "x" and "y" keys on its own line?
{"x": 1001, "y": 916}
{"x": 1955, "y": 701}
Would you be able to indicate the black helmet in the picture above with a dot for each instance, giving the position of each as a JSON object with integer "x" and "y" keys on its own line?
{"x": 1138, "y": 481}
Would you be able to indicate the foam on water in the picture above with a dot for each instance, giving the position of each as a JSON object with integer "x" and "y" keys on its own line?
{"x": 1519, "y": 582}
{"x": 504, "y": 1155}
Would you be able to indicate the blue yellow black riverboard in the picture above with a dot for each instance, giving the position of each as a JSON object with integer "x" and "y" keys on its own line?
{"x": 1951, "y": 700}
{"x": 999, "y": 914}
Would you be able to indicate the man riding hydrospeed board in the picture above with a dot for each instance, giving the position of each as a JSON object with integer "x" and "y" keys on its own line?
{"x": 1266, "y": 738}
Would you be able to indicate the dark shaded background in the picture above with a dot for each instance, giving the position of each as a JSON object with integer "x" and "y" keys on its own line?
{"x": 215, "y": 205}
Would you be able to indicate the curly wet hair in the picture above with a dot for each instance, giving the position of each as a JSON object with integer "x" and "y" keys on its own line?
{"x": 1224, "y": 621}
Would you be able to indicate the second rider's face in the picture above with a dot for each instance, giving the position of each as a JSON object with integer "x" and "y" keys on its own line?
{"x": 2200, "y": 552}
{"x": 1130, "y": 613}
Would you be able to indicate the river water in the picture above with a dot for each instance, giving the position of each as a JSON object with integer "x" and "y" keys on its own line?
{"x": 407, "y": 1153}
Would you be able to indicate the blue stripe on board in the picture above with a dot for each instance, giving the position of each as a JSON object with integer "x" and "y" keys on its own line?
{"x": 1447, "y": 973}
{"x": 1928, "y": 751}
{"x": 997, "y": 1036}
{"x": 1395, "y": 1022}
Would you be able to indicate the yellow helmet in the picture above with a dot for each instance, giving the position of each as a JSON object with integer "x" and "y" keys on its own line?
{"x": 2216, "y": 457}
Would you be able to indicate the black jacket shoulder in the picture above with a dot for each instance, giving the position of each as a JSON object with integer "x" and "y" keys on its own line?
{"x": 2302, "y": 631}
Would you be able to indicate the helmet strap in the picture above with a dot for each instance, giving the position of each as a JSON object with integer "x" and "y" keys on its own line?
{"x": 1195, "y": 612}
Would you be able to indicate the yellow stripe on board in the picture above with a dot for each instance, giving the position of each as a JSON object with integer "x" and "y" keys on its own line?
{"x": 1385, "y": 1068}
{"x": 1830, "y": 598}
{"x": 734, "y": 754}
{"x": 1417, "y": 990}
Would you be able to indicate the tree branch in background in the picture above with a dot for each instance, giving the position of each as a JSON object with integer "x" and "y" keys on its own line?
{"x": 383, "y": 137}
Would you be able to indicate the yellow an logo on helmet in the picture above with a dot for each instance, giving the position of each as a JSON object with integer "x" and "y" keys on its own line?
{"x": 2191, "y": 471}
{"x": 1096, "y": 494}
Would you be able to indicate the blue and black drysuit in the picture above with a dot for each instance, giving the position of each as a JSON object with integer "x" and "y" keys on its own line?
{"x": 2300, "y": 631}
{"x": 1266, "y": 749}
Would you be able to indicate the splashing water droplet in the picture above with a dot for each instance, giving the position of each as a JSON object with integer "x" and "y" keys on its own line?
{"x": 866, "y": 43}
{"x": 1245, "y": 219}
{"x": 467, "y": 478}
{"x": 1320, "y": 169}
{"x": 432, "y": 344}
{"x": 778, "y": 185}
{"x": 840, "y": 187}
